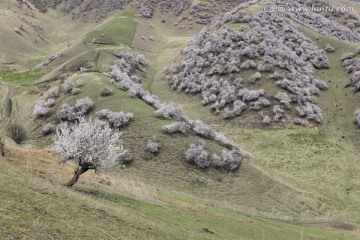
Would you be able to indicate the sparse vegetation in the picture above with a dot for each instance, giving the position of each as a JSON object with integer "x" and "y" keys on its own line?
{"x": 247, "y": 78}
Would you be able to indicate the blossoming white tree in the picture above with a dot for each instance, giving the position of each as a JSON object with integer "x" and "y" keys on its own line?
{"x": 91, "y": 144}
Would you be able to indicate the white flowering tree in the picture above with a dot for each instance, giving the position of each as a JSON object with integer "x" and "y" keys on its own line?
{"x": 91, "y": 144}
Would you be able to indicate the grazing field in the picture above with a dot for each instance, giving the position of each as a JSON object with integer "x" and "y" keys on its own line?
{"x": 38, "y": 206}
{"x": 303, "y": 182}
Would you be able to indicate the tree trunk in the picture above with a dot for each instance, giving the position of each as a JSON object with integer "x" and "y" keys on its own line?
{"x": 80, "y": 170}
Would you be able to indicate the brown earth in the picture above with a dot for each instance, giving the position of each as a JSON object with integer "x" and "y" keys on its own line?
{"x": 45, "y": 164}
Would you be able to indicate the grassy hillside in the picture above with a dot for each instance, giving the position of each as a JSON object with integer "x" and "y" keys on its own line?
{"x": 34, "y": 207}
{"x": 319, "y": 162}
{"x": 41, "y": 35}
{"x": 302, "y": 184}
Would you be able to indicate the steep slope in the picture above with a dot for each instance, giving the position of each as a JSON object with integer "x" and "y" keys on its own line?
{"x": 289, "y": 155}
{"x": 230, "y": 65}
{"x": 339, "y": 22}
{"x": 29, "y": 37}
{"x": 306, "y": 176}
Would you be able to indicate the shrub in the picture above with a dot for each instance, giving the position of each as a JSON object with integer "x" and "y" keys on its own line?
{"x": 197, "y": 154}
{"x": 347, "y": 56}
{"x": 106, "y": 91}
{"x": 125, "y": 158}
{"x": 68, "y": 86}
{"x": 43, "y": 107}
{"x": 153, "y": 146}
{"x": 255, "y": 77}
{"x": 115, "y": 119}
{"x": 67, "y": 113}
{"x": 357, "y": 117}
{"x": 278, "y": 112}
{"x": 16, "y": 132}
{"x": 75, "y": 91}
{"x": 260, "y": 103}
{"x": 202, "y": 129}
{"x": 168, "y": 110}
{"x": 248, "y": 64}
{"x": 249, "y": 52}
{"x": 250, "y": 95}
{"x": 265, "y": 67}
{"x": 230, "y": 160}
{"x": 48, "y": 129}
{"x": 52, "y": 93}
{"x": 238, "y": 82}
{"x": 119, "y": 119}
{"x": 40, "y": 110}
{"x": 17, "y": 30}
{"x": 284, "y": 99}
{"x": 276, "y": 76}
{"x": 72, "y": 113}
{"x": 83, "y": 105}
{"x": 348, "y": 62}
{"x": 222, "y": 140}
{"x": 301, "y": 122}
{"x": 238, "y": 108}
{"x": 176, "y": 127}
{"x": 266, "y": 119}
{"x": 216, "y": 161}
{"x": 329, "y": 48}
{"x": 103, "y": 114}
{"x": 240, "y": 17}
{"x": 79, "y": 82}
{"x": 310, "y": 111}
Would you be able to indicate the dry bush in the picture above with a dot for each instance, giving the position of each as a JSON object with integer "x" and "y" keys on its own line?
{"x": 16, "y": 132}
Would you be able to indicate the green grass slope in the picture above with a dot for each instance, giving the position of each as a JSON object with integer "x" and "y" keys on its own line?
{"x": 307, "y": 177}
{"x": 43, "y": 35}
{"x": 320, "y": 163}
{"x": 35, "y": 208}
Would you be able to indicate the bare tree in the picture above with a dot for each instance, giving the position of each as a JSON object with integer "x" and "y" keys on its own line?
{"x": 91, "y": 144}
